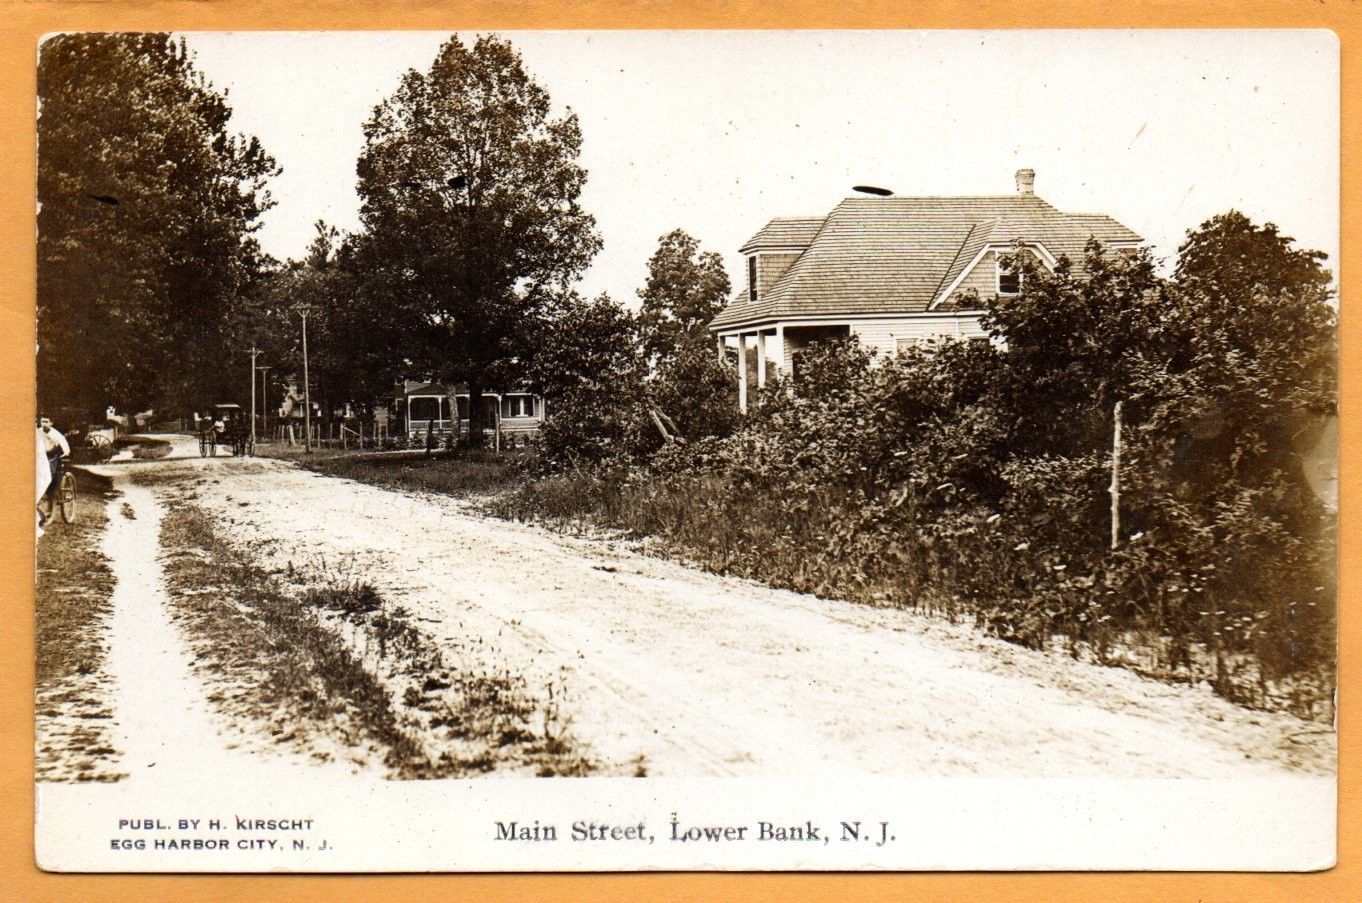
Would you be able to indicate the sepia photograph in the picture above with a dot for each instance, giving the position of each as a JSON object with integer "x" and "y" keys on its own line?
{"x": 432, "y": 428}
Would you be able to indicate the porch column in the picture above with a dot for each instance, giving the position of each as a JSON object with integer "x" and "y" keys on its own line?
{"x": 761, "y": 359}
{"x": 782, "y": 367}
{"x": 742, "y": 372}
{"x": 719, "y": 346}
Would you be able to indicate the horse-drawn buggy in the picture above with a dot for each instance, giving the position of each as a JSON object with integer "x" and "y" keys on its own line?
{"x": 227, "y": 426}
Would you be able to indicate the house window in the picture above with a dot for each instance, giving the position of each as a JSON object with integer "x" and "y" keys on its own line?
{"x": 1009, "y": 280}
{"x": 926, "y": 342}
{"x": 519, "y": 406}
{"x": 752, "y": 279}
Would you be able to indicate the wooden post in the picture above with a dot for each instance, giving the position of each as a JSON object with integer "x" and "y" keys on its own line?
{"x": 742, "y": 372}
{"x": 265, "y": 399}
{"x": 307, "y": 386}
{"x": 657, "y": 421}
{"x": 761, "y": 359}
{"x": 254, "y": 352}
{"x": 497, "y": 424}
{"x": 1116, "y": 478}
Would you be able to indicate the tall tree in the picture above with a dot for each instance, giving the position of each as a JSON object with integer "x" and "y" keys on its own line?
{"x": 147, "y": 208}
{"x": 351, "y": 345}
{"x": 469, "y": 194}
{"x": 1263, "y": 313}
{"x": 686, "y": 288}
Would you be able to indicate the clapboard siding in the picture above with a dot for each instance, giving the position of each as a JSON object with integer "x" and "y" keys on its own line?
{"x": 884, "y": 334}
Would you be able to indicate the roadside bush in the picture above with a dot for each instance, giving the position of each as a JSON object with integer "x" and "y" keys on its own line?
{"x": 972, "y": 480}
{"x": 590, "y": 370}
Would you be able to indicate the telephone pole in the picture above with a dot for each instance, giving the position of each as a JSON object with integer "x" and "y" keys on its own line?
{"x": 254, "y": 351}
{"x": 265, "y": 398}
{"x": 304, "y": 309}
{"x": 1116, "y": 477}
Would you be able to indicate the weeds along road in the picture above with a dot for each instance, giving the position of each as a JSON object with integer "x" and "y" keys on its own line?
{"x": 677, "y": 672}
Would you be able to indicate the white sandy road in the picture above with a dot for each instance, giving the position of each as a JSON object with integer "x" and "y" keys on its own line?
{"x": 164, "y": 727}
{"x": 692, "y": 674}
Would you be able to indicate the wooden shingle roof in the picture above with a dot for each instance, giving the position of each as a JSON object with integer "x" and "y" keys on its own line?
{"x": 785, "y": 233}
{"x": 896, "y": 255}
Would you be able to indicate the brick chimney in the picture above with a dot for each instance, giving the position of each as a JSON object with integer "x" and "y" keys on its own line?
{"x": 1026, "y": 182}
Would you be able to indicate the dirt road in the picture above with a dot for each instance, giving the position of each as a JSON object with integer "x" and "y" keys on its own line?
{"x": 684, "y": 673}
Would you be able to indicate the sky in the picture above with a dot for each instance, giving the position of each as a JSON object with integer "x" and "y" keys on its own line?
{"x": 717, "y": 132}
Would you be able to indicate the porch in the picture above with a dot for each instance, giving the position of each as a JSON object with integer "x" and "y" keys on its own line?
{"x": 440, "y": 411}
{"x": 759, "y": 354}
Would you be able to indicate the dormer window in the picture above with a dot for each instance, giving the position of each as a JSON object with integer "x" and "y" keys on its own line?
{"x": 1009, "y": 279}
{"x": 752, "y": 279}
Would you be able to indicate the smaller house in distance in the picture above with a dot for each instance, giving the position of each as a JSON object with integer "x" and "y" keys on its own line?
{"x": 422, "y": 406}
{"x": 892, "y": 271}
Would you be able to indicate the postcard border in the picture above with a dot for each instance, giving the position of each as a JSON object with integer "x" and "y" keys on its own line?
{"x": 25, "y": 22}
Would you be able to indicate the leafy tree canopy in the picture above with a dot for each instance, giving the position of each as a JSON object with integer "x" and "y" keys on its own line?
{"x": 469, "y": 193}
{"x": 588, "y": 344}
{"x": 147, "y": 208}
{"x": 591, "y": 373}
{"x": 686, "y": 288}
{"x": 353, "y": 350}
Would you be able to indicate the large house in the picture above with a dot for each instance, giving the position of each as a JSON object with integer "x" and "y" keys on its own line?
{"x": 892, "y": 271}
{"x": 421, "y": 407}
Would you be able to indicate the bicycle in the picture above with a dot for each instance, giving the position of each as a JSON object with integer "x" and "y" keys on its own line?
{"x": 63, "y": 500}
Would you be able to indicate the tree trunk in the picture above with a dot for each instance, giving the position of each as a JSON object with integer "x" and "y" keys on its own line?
{"x": 475, "y": 437}
{"x": 132, "y": 418}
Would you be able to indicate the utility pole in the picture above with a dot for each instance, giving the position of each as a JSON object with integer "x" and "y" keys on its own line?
{"x": 254, "y": 351}
{"x": 305, "y": 309}
{"x": 1116, "y": 478}
{"x": 265, "y": 398}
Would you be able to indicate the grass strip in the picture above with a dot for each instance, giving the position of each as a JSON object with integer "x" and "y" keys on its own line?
{"x": 336, "y": 660}
{"x": 458, "y": 473}
{"x": 72, "y": 604}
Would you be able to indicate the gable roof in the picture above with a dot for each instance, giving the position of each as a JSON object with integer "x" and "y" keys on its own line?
{"x": 897, "y": 255}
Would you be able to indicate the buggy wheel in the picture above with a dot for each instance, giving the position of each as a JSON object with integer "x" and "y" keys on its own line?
{"x": 101, "y": 448}
{"x": 203, "y": 445}
{"x": 66, "y": 497}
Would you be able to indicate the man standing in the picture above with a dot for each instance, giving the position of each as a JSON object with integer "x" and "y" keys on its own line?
{"x": 43, "y": 471}
{"x": 55, "y": 446}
